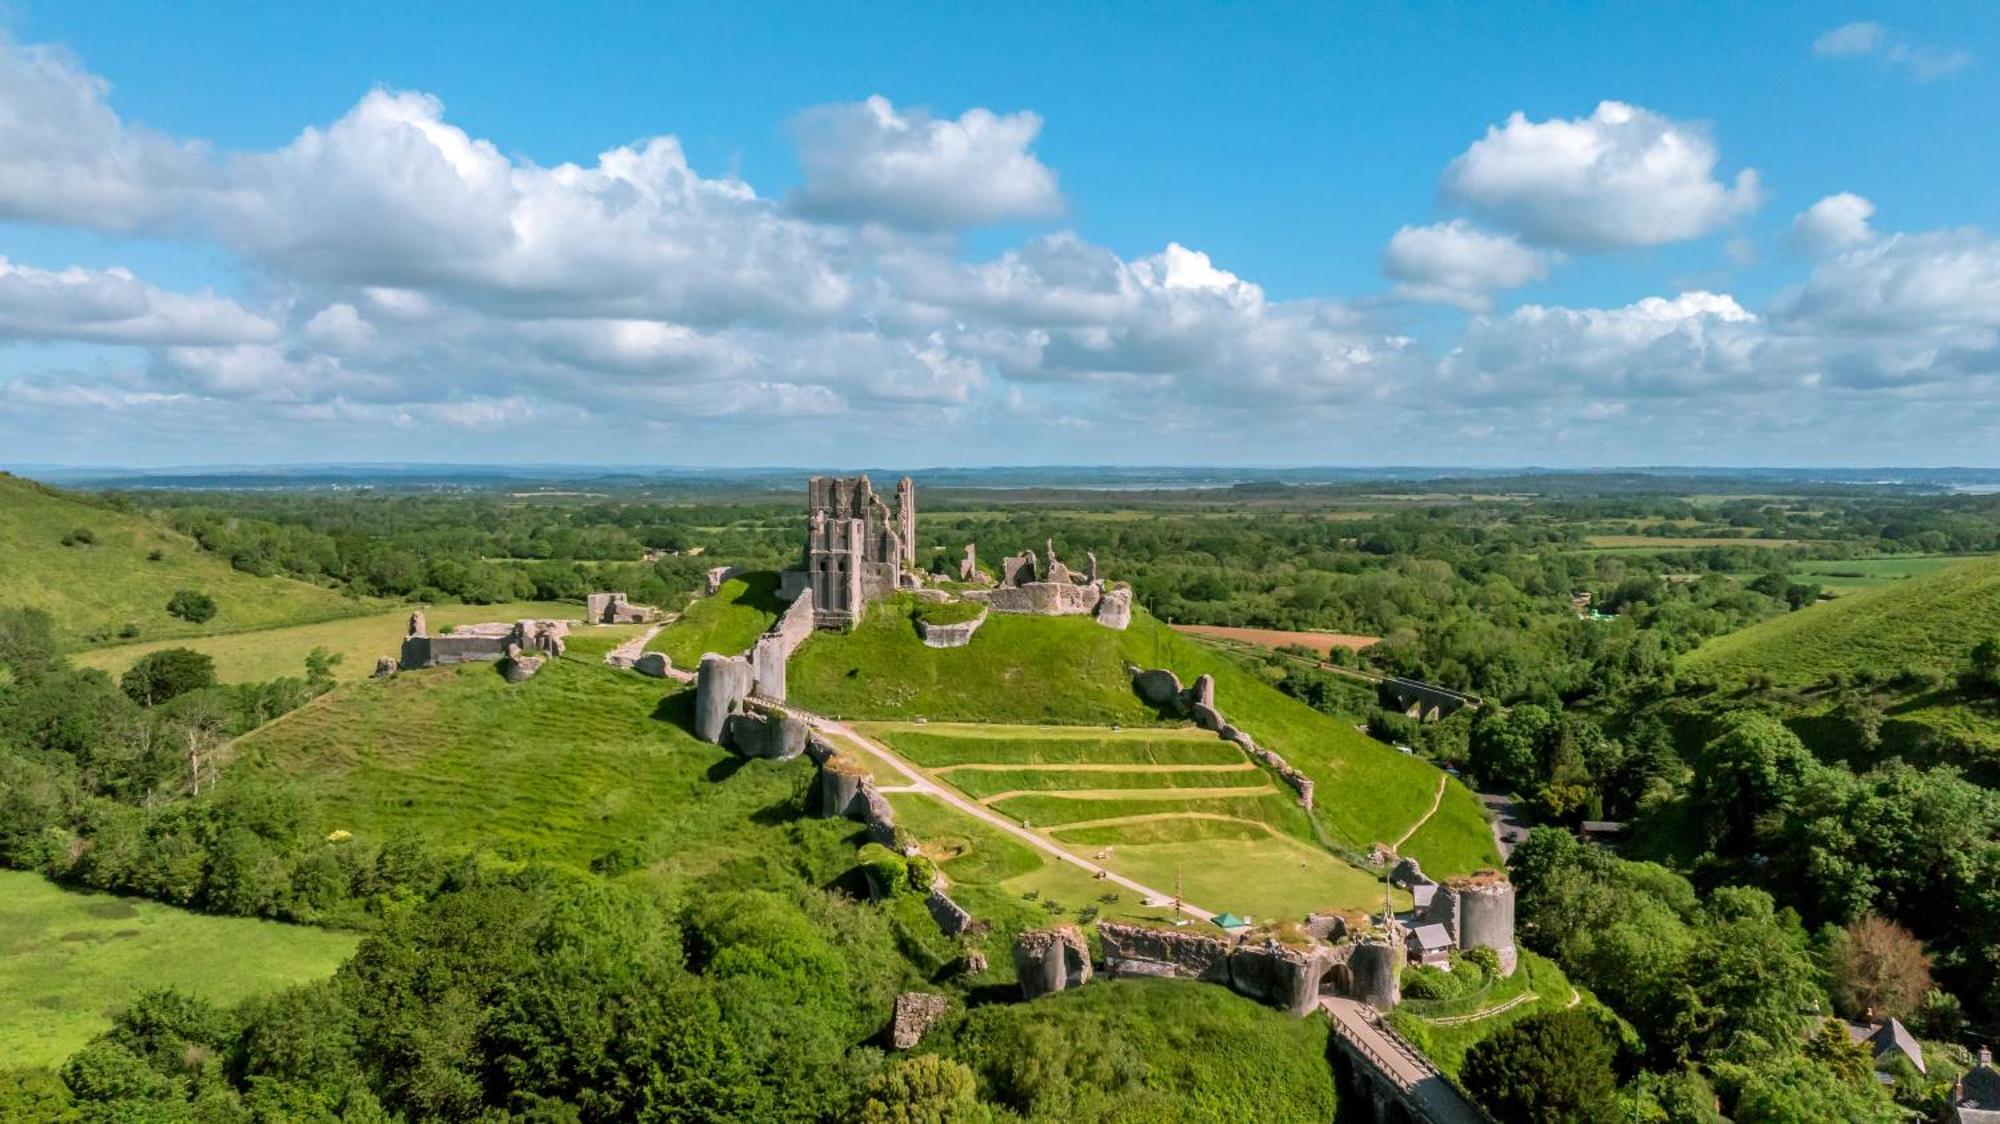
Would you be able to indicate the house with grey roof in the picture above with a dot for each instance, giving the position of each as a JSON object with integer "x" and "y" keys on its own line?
{"x": 1888, "y": 1041}
{"x": 1976, "y": 1097}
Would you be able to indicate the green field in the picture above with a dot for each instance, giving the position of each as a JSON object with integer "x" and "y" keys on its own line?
{"x": 95, "y": 589}
{"x": 1853, "y": 576}
{"x": 725, "y": 624}
{"x": 254, "y": 657}
{"x": 68, "y": 960}
{"x": 567, "y": 766}
{"x": 1071, "y": 671}
{"x": 1927, "y": 622}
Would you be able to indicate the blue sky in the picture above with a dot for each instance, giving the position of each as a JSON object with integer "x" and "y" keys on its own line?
{"x": 1171, "y": 234}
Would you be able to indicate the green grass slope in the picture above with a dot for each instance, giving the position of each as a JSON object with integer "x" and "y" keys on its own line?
{"x": 1071, "y": 671}
{"x": 68, "y": 959}
{"x": 94, "y": 589}
{"x": 1929, "y": 622}
{"x": 572, "y": 765}
{"x": 726, "y": 623}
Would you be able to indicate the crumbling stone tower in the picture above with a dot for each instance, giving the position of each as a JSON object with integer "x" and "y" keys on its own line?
{"x": 856, "y": 547}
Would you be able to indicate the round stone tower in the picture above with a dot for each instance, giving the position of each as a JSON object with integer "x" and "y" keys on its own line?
{"x": 1377, "y": 968}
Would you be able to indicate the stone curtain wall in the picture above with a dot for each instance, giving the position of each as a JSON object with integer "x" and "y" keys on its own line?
{"x": 1288, "y": 976}
{"x": 1163, "y": 688}
{"x": 949, "y": 635}
{"x": 722, "y": 684}
{"x": 847, "y": 791}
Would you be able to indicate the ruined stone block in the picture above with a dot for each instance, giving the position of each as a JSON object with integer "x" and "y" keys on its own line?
{"x": 654, "y": 664}
{"x": 1051, "y": 959}
{"x": 385, "y": 667}
{"x": 1114, "y": 608}
{"x": 916, "y": 1013}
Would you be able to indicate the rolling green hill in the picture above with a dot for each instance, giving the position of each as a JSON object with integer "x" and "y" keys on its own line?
{"x": 1928, "y": 622}
{"x": 122, "y": 569}
{"x": 1071, "y": 671}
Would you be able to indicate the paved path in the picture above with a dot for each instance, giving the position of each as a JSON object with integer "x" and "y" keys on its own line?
{"x": 1437, "y": 801}
{"x": 624, "y": 655}
{"x": 1420, "y": 1082}
{"x": 921, "y": 783}
{"x": 1510, "y": 821}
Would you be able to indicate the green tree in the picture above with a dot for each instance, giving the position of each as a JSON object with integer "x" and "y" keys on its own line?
{"x": 192, "y": 605}
{"x": 926, "y": 1089}
{"x": 1550, "y": 1068}
{"x": 166, "y": 674}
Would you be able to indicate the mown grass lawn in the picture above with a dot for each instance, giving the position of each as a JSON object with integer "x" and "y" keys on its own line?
{"x": 1268, "y": 878}
{"x": 941, "y": 745}
{"x": 68, "y": 960}
{"x": 981, "y": 784}
{"x": 253, "y": 657}
{"x": 725, "y": 624}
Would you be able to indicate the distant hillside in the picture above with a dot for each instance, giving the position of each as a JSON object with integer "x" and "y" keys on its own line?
{"x": 120, "y": 568}
{"x": 1928, "y": 623}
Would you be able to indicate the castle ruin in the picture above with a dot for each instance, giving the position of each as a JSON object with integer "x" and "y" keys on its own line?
{"x": 857, "y": 548}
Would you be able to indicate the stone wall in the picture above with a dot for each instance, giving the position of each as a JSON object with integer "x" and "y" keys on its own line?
{"x": 774, "y": 649}
{"x": 480, "y": 642}
{"x": 1052, "y": 959}
{"x": 1058, "y": 591}
{"x": 613, "y": 608}
{"x": 949, "y": 635}
{"x": 1285, "y": 976}
{"x": 723, "y": 684}
{"x": 1477, "y": 910}
{"x": 846, "y": 790}
{"x": 1162, "y": 688}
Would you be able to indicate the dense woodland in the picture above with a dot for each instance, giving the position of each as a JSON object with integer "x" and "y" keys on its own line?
{"x": 1781, "y": 867}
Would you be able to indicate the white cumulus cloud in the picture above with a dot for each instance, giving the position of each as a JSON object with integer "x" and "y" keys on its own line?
{"x": 869, "y": 161}
{"x": 113, "y": 306}
{"x": 1624, "y": 176}
{"x": 1459, "y": 264}
{"x": 66, "y": 157}
{"x": 1834, "y": 223}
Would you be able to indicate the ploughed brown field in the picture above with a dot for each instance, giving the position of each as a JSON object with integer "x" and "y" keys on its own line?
{"x": 1322, "y": 642}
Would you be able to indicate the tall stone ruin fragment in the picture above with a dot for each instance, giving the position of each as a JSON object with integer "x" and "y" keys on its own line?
{"x": 857, "y": 548}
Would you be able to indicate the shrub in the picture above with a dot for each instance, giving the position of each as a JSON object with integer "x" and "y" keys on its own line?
{"x": 192, "y": 606}
{"x": 1550, "y": 1067}
{"x": 155, "y": 554}
{"x": 82, "y": 536}
{"x": 167, "y": 673}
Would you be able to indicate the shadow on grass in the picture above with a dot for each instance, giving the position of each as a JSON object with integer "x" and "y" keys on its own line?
{"x": 677, "y": 709}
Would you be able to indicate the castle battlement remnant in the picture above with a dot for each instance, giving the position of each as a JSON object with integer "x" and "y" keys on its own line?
{"x": 858, "y": 549}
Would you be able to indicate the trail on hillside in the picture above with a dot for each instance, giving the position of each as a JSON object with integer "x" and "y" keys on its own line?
{"x": 1437, "y": 801}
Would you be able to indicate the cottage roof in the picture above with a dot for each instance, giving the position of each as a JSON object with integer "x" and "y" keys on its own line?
{"x": 1981, "y": 1086}
{"x": 1892, "y": 1039}
{"x": 1431, "y": 937}
{"x": 1422, "y": 894}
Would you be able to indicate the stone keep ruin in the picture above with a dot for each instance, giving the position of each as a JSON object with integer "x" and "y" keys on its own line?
{"x": 857, "y": 549}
